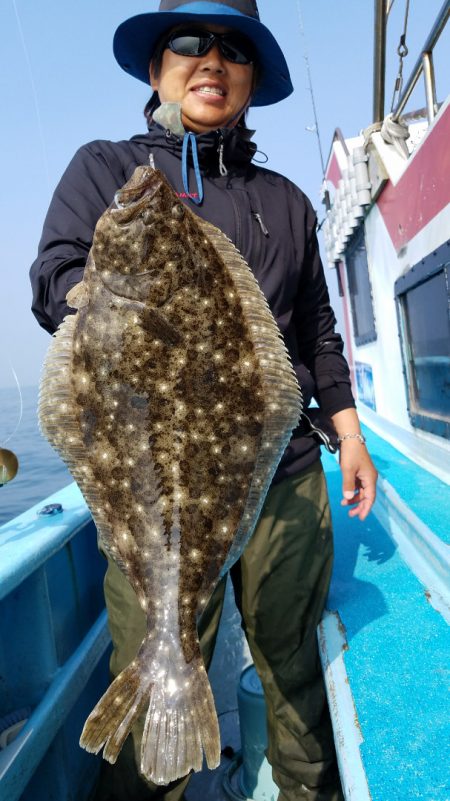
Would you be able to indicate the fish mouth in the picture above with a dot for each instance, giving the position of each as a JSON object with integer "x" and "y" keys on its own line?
{"x": 139, "y": 192}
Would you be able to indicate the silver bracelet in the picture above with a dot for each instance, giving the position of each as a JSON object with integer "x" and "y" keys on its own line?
{"x": 360, "y": 437}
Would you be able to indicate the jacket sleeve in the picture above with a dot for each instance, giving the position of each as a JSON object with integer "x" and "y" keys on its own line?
{"x": 84, "y": 192}
{"x": 320, "y": 347}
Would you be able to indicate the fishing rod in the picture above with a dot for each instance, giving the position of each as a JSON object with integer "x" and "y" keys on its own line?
{"x": 315, "y": 127}
{"x": 9, "y": 463}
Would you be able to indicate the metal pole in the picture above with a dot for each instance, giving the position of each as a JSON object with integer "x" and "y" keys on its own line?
{"x": 379, "y": 60}
{"x": 430, "y": 85}
{"x": 438, "y": 27}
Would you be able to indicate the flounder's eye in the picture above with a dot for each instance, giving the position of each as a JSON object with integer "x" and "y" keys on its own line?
{"x": 129, "y": 194}
{"x": 178, "y": 211}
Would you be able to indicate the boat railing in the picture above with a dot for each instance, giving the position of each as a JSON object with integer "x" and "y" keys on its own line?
{"x": 424, "y": 65}
{"x": 54, "y": 641}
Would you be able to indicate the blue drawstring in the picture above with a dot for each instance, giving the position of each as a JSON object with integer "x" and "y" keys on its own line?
{"x": 189, "y": 137}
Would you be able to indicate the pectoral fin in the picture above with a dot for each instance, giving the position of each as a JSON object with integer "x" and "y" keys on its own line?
{"x": 77, "y": 296}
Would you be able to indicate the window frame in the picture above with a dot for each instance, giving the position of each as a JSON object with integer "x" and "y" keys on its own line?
{"x": 438, "y": 261}
{"x": 358, "y": 237}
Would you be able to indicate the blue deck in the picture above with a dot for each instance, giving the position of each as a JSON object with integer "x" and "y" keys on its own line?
{"x": 394, "y": 652}
{"x": 397, "y": 660}
{"x": 422, "y": 492}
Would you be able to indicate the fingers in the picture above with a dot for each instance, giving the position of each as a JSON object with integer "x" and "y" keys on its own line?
{"x": 361, "y": 503}
{"x": 350, "y": 485}
{"x": 358, "y": 485}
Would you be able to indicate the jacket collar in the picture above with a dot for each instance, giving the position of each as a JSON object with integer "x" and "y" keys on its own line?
{"x": 238, "y": 149}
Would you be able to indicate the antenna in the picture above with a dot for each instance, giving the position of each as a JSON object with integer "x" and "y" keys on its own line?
{"x": 310, "y": 128}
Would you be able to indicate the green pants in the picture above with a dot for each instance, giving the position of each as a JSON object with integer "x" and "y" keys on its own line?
{"x": 281, "y": 583}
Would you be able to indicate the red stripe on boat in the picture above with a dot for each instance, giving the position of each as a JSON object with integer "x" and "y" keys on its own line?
{"x": 424, "y": 188}
{"x": 334, "y": 173}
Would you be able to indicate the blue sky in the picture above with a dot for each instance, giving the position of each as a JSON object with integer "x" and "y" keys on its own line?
{"x": 61, "y": 87}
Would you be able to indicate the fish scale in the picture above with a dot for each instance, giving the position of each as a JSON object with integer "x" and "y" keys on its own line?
{"x": 170, "y": 396}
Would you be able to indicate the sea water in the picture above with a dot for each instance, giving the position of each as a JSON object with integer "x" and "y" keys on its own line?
{"x": 41, "y": 471}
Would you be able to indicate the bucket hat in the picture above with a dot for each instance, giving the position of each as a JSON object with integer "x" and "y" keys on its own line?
{"x": 136, "y": 38}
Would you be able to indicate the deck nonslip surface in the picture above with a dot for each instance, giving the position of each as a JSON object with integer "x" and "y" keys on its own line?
{"x": 398, "y": 650}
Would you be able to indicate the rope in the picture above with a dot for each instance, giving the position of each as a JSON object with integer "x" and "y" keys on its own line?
{"x": 189, "y": 138}
{"x": 222, "y": 168}
{"x": 396, "y": 134}
{"x": 402, "y": 52}
{"x": 34, "y": 93}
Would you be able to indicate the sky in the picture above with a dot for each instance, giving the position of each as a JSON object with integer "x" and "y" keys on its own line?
{"x": 61, "y": 87}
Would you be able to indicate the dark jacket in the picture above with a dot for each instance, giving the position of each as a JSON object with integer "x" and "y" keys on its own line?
{"x": 267, "y": 217}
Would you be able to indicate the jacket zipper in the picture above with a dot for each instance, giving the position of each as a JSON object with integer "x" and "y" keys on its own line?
{"x": 237, "y": 215}
{"x": 237, "y": 218}
{"x": 258, "y": 217}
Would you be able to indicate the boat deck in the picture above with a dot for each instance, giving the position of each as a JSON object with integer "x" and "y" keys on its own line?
{"x": 384, "y": 643}
{"x": 392, "y": 730}
{"x": 395, "y": 644}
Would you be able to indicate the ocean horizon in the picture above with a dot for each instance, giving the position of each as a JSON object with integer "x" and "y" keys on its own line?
{"x": 41, "y": 471}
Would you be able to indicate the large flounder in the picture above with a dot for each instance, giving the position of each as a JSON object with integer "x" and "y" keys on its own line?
{"x": 170, "y": 396}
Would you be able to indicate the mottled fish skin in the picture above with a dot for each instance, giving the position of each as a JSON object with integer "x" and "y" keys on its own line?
{"x": 170, "y": 396}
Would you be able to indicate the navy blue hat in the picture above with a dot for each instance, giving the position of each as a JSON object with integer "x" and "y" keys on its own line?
{"x": 136, "y": 38}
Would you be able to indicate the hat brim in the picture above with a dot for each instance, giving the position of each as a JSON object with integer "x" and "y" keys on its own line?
{"x": 136, "y": 38}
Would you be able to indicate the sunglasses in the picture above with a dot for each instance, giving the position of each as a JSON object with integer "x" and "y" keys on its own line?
{"x": 234, "y": 48}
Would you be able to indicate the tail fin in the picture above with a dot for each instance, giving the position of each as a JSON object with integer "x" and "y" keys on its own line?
{"x": 113, "y": 717}
{"x": 180, "y": 725}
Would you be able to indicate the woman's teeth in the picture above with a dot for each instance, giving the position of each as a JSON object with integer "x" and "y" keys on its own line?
{"x": 210, "y": 90}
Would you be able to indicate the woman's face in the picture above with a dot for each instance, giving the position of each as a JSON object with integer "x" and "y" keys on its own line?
{"x": 211, "y": 90}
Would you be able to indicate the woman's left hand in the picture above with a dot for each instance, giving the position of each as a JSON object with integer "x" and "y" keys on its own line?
{"x": 359, "y": 478}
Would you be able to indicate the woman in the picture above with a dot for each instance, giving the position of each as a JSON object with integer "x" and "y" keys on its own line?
{"x": 207, "y": 63}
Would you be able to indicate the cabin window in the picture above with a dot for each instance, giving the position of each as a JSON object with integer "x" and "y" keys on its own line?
{"x": 359, "y": 289}
{"x": 423, "y": 306}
